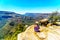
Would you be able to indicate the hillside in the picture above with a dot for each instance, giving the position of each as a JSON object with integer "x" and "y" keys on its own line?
{"x": 5, "y": 16}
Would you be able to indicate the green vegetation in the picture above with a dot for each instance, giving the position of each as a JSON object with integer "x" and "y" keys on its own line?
{"x": 12, "y": 35}
{"x": 54, "y": 17}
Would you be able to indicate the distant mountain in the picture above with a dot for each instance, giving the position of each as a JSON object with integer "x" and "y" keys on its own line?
{"x": 30, "y": 14}
{"x": 38, "y": 15}
{"x": 6, "y": 16}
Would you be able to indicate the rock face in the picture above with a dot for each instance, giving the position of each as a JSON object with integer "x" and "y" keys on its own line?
{"x": 47, "y": 33}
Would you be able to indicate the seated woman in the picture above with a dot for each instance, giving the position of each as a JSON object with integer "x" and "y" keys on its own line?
{"x": 36, "y": 28}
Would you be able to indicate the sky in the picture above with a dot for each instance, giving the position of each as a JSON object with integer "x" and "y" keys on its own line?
{"x": 32, "y": 6}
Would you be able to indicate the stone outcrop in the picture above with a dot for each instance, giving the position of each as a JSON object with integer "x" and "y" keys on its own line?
{"x": 47, "y": 33}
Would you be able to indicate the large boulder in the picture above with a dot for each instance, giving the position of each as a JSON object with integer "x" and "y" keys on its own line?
{"x": 43, "y": 20}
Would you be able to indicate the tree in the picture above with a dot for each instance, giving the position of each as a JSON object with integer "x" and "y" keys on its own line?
{"x": 54, "y": 17}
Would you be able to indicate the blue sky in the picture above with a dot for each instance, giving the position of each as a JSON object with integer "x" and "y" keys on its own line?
{"x": 32, "y": 6}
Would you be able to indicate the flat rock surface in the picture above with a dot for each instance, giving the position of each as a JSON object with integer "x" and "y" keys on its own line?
{"x": 47, "y": 33}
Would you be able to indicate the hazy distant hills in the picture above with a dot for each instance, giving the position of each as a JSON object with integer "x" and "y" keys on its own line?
{"x": 6, "y": 16}
{"x": 38, "y": 15}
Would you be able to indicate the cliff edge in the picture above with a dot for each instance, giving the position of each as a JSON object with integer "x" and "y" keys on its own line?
{"x": 47, "y": 33}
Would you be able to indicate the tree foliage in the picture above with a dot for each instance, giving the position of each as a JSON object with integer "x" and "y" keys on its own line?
{"x": 54, "y": 17}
